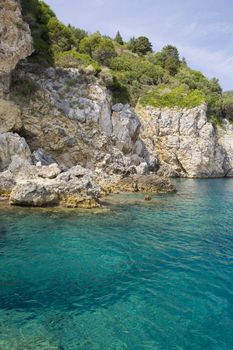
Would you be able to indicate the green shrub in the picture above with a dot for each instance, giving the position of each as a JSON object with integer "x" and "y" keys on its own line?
{"x": 101, "y": 49}
{"x": 119, "y": 91}
{"x": 216, "y": 121}
{"x": 73, "y": 59}
{"x": 141, "y": 45}
{"x": 118, "y": 38}
{"x": 23, "y": 90}
{"x": 37, "y": 14}
{"x": 179, "y": 96}
{"x": 159, "y": 79}
{"x": 60, "y": 36}
{"x": 227, "y": 105}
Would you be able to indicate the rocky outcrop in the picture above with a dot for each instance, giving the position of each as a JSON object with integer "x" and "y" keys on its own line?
{"x": 32, "y": 194}
{"x": 15, "y": 40}
{"x": 47, "y": 186}
{"x": 76, "y": 187}
{"x": 186, "y": 144}
{"x": 70, "y": 116}
{"x": 76, "y": 148}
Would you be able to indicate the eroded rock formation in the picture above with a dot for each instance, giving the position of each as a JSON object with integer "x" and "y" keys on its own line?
{"x": 187, "y": 145}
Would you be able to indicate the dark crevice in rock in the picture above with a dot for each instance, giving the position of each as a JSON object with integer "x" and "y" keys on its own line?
{"x": 180, "y": 165}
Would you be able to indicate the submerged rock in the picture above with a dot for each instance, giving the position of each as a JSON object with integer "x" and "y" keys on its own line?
{"x": 140, "y": 183}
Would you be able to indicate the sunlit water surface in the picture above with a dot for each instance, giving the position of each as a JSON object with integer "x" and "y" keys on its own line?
{"x": 141, "y": 276}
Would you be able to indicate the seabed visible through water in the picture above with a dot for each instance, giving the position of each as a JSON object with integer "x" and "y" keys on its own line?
{"x": 139, "y": 275}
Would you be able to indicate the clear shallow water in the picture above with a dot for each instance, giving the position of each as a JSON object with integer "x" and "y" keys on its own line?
{"x": 155, "y": 276}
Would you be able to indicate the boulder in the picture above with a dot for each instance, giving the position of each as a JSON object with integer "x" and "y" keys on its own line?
{"x": 33, "y": 194}
{"x": 49, "y": 172}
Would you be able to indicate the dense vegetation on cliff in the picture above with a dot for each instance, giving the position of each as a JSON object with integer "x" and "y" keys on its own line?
{"x": 131, "y": 70}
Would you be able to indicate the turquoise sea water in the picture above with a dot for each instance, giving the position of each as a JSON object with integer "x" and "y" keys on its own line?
{"x": 141, "y": 276}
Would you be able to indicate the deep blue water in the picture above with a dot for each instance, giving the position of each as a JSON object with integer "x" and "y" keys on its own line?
{"x": 141, "y": 276}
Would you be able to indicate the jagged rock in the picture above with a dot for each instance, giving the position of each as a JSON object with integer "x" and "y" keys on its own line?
{"x": 71, "y": 120}
{"x": 40, "y": 156}
{"x": 15, "y": 40}
{"x": 185, "y": 142}
{"x": 12, "y": 145}
{"x": 126, "y": 127}
{"x": 10, "y": 116}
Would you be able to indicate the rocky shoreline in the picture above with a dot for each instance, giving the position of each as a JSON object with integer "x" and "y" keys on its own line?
{"x": 43, "y": 186}
{"x": 40, "y": 185}
{"x": 63, "y": 142}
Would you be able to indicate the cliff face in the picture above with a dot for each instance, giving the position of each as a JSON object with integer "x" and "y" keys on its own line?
{"x": 225, "y": 139}
{"x": 71, "y": 117}
{"x": 187, "y": 145}
{"x": 15, "y": 40}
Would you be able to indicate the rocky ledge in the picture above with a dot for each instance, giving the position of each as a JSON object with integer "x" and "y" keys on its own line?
{"x": 26, "y": 184}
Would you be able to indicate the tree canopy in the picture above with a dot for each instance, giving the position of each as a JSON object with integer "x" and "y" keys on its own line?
{"x": 118, "y": 39}
{"x": 140, "y": 45}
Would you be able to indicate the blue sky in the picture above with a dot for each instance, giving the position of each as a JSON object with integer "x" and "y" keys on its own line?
{"x": 201, "y": 29}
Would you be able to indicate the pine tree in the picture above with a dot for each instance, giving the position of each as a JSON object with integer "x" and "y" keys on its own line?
{"x": 119, "y": 39}
{"x": 141, "y": 45}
